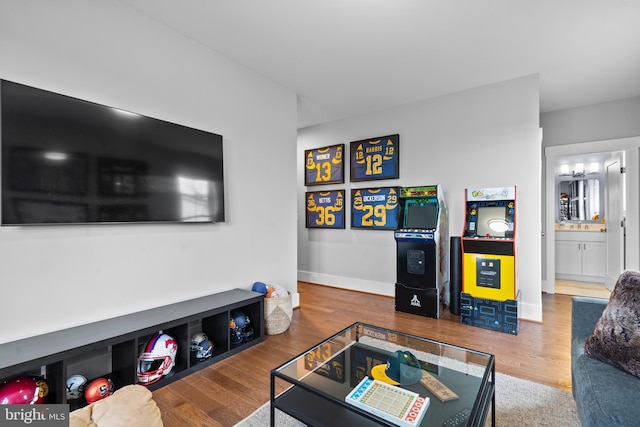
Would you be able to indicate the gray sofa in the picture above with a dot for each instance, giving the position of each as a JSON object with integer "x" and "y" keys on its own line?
{"x": 605, "y": 396}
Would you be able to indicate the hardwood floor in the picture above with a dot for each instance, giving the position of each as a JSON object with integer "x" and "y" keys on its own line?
{"x": 569, "y": 287}
{"x": 230, "y": 390}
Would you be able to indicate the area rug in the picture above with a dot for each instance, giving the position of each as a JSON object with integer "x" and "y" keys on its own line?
{"x": 518, "y": 403}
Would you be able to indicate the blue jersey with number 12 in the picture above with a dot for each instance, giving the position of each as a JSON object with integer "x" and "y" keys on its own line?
{"x": 376, "y": 159}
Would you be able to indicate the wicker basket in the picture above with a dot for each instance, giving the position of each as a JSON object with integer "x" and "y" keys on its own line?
{"x": 277, "y": 314}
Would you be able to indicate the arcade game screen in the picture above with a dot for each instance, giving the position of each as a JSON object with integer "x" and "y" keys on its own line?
{"x": 492, "y": 221}
{"x": 421, "y": 216}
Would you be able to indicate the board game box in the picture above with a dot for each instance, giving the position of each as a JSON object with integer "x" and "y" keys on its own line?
{"x": 397, "y": 405}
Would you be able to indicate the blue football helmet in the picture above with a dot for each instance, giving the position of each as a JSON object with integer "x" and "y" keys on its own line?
{"x": 239, "y": 328}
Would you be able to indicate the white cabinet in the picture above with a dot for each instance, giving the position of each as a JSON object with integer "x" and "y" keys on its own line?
{"x": 580, "y": 256}
{"x": 593, "y": 258}
{"x": 568, "y": 257}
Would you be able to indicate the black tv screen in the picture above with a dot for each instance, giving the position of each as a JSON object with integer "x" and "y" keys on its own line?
{"x": 421, "y": 216}
{"x": 69, "y": 161}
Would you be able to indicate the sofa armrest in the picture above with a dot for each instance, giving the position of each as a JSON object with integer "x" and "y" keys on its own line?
{"x": 585, "y": 313}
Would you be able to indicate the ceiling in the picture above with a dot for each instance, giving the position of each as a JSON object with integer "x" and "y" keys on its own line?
{"x": 349, "y": 57}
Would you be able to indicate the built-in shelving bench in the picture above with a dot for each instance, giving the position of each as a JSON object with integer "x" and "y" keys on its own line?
{"x": 111, "y": 347}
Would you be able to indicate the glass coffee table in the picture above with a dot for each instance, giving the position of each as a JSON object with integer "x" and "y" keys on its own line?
{"x": 457, "y": 385}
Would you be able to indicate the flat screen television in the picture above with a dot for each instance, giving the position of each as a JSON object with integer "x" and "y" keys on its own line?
{"x": 69, "y": 161}
{"x": 421, "y": 216}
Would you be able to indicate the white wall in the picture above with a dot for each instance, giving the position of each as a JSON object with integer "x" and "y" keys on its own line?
{"x": 603, "y": 121}
{"x": 484, "y": 137}
{"x": 60, "y": 276}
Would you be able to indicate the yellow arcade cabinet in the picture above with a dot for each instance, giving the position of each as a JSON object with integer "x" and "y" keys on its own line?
{"x": 489, "y": 295}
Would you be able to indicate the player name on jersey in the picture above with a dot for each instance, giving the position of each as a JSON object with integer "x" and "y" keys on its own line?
{"x": 324, "y": 165}
{"x": 375, "y": 158}
{"x": 375, "y": 208}
{"x": 325, "y": 209}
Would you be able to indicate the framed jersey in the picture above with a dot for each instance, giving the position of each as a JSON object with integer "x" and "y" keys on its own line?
{"x": 375, "y": 208}
{"x": 376, "y": 158}
{"x": 324, "y": 165}
{"x": 324, "y": 209}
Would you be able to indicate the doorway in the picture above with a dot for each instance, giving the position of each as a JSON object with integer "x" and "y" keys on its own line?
{"x": 579, "y": 164}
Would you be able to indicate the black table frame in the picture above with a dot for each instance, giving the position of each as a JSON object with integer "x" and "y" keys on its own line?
{"x": 294, "y": 401}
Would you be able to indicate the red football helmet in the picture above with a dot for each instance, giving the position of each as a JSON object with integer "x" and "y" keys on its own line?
{"x": 98, "y": 389}
{"x": 24, "y": 391}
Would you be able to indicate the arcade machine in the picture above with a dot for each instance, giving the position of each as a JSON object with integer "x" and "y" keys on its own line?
{"x": 489, "y": 298}
{"x": 422, "y": 276}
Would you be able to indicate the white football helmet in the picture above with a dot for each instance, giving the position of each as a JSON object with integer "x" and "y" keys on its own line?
{"x": 75, "y": 386}
{"x": 196, "y": 339}
{"x": 157, "y": 359}
{"x": 201, "y": 346}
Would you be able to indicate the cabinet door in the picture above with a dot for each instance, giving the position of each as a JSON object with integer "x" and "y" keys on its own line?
{"x": 594, "y": 258}
{"x": 568, "y": 257}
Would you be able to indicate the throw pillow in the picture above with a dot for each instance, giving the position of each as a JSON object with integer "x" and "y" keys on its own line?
{"x": 616, "y": 337}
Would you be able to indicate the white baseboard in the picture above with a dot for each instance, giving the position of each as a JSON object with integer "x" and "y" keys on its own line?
{"x": 379, "y": 288}
{"x": 580, "y": 278}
